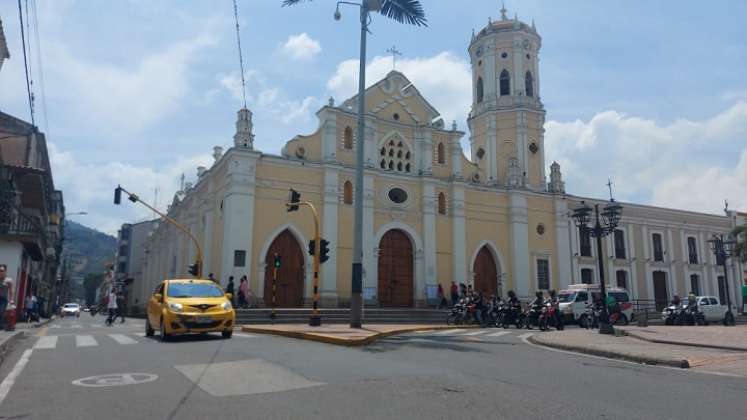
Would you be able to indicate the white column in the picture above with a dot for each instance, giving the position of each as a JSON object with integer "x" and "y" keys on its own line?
{"x": 575, "y": 251}
{"x": 370, "y": 267}
{"x": 458, "y": 239}
{"x": 519, "y": 243}
{"x": 632, "y": 258}
{"x": 646, "y": 258}
{"x": 329, "y": 135}
{"x": 562, "y": 243}
{"x": 329, "y": 232}
{"x": 491, "y": 155}
{"x": 371, "y": 140}
{"x": 429, "y": 232}
{"x": 238, "y": 213}
{"x": 672, "y": 259}
{"x": 207, "y": 243}
{"x": 456, "y": 157}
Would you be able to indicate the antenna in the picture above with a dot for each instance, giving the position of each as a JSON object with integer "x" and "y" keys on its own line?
{"x": 238, "y": 43}
{"x": 609, "y": 185}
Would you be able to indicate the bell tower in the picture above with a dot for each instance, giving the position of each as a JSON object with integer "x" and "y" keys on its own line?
{"x": 507, "y": 117}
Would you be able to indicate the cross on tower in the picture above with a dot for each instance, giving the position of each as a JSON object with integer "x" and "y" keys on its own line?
{"x": 393, "y": 51}
{"x": 609, "y": 185}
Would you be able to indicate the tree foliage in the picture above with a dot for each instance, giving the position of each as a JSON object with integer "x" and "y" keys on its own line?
{"x": 403, "y": 11}
{"x": 740, "y": 250}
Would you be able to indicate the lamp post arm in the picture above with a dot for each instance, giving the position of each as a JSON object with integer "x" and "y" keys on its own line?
{"x": 177, "y": 225}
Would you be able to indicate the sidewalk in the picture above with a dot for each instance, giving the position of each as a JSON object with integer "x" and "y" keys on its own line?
{"x": 712, "y": 336}
{"x": 646, "y": 352}
{"x": 340, "y": 334}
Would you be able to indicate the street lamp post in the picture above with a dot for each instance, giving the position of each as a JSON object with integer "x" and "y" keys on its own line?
{"x": 723, "y": 249}
{"x": 601, "y": 228}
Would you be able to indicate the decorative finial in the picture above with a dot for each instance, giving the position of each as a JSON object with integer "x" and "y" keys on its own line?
{"x": 181, "y": 183}
{"x": 503, "y": 12}
{"x": 331, "y": 101}
{"x": 726, "y": 206}
{"x": 490, "y": 21}
{"x": 394, "y": 52}
{"x": 453, "y": 125}
{"x": 609, "y": 185}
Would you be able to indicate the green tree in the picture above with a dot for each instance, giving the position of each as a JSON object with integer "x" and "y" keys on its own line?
{"x": 403, "y": 11}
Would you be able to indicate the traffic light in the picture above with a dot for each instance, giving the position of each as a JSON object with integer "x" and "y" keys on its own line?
{"x": 277, "y": 261}
{"x": 324, "y": 250}
{"x": 118, "y": 195}
{"x": 194, "y": 269}
{"x": 312, "y": 247}
{"x": 294, "y": 197}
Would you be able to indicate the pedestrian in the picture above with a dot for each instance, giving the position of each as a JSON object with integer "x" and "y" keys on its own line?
{"x": 442, "y": 303}
{"x": 470, "y": 292}
{"x": 454, "y": 293}
{"x": 230, "y": 289}
{"x": 121, "y": 305}
{"x": 243, "y": 288}
{"x": 6, "y": 293}
{"x": 111, "y": 305}
{"x": 462, "y": 290}
{"x": 30, "y": 307}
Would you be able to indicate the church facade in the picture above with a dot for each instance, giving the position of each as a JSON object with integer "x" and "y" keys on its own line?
{"x": 431, "y": 214}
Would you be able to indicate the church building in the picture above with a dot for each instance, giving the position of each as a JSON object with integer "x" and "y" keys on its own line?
{"x": 431, "y": 214}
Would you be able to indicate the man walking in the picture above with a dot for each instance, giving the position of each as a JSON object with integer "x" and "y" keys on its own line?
{"x": 111, "y": 305}
{"x": 230, "y": 289}
{"x": 121, "y": 303}
{"x": 6, "y": 293}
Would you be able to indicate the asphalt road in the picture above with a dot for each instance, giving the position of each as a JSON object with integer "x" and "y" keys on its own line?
{"x": 431, "y": 375}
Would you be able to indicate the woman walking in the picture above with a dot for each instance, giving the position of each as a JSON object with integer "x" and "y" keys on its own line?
{"x": 243, "y": 287}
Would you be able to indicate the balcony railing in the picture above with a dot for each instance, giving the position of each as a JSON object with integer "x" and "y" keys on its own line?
{"x": 17, "y": 225}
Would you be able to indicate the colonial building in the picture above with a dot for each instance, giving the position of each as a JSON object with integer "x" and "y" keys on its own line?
{"x": 431, "y": 214}
{"x": 130, "y": 259}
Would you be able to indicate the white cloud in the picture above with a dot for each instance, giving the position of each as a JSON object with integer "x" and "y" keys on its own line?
{"x": 444, "y": 80}
{"x": 301, "y": 47}
{"x": 90, "y": 186}
{"x": 692, "y": 165}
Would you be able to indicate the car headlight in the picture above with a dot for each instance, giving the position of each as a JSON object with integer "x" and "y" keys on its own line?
{"x": 226, "y": 305}
{"x": 176, "y": 307}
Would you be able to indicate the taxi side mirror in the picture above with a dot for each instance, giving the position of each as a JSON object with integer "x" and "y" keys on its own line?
{"x": 158, "y": 297}
{"x": 229, "y": 296}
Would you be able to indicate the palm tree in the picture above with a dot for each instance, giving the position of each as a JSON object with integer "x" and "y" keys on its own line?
{"x": 740, "y": 249}
{"x": 403, "y": 11}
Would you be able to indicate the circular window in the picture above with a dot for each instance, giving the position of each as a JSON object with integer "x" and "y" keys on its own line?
{"x": 504, "y": 55}
{"x": 398, "y": 195}
{"x": 395, "y": 116}
{"x": 533, "y": 148}
{"x": 541, "y": 229}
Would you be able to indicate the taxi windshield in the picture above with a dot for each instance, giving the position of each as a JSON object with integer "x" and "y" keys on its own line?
{"x": 188, "y": 290}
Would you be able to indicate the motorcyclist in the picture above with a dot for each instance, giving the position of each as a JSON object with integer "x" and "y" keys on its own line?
{"x": 480, "y": 308}
{"x": 692, "y": 300}
{"x": 553, "y": 300}
{"x": 514, "y": 306}
{"x": 676, "y": 302}
{"x": 535, "y": 305}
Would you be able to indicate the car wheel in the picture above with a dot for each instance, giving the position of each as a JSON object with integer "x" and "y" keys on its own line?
{"x": 148, "y": 329}
{"x": 226, "y": 333}
{"x": 164, "y": 336}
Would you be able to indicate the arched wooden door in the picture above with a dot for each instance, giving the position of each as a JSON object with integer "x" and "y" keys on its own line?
{"x": 486, "y": 275}
{"x": 396, "y": 282}
{"x": 290, "y": 275}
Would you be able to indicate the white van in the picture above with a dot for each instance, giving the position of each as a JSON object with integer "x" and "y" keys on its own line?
{"x": 573, "y": 301}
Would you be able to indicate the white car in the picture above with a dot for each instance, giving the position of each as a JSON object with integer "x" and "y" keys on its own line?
{"x": 709, "y": 305}
{"x": 70, "y": 309}
{"x": 573, "y": 301}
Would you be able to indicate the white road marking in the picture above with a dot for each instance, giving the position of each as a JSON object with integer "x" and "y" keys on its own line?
{"x": 122, "y": 339}
{"x": 245, "y": 335}
{"x": 478, "y": 332}
{"x": 9, "y": 380}
{"x": 55, "y": 326}
{"x": 448, "y": 332}
{"x": 140, "y": 334}
{"x": 498, "y": 334}
{"x": 525, "y": 336}
{"x": 85, "y": 341}
{"x": 46, "y": 342}
{"x": 77, "y": 326}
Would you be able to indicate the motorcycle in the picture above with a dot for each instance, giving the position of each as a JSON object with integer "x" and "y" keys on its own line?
{"x": 672, "y": 315}
{"x": 532, "y": 316}
{"x": 513, "y": 315}
{"x": 694, "y": 316}
{"x": 543, "y": 321}
{"x": 589, "y": 318}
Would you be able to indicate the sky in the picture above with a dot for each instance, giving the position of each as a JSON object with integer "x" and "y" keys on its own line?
{"x": 652, "y": 95}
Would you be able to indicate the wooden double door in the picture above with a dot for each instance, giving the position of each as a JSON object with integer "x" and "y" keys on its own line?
{"x": 396, "y": 280}
{"x": 290, "y": 275}
{"x": 486, "y": 274}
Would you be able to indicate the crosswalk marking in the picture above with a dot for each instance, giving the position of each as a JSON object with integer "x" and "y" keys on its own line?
{"x": 85, "y": 341}
{"x": 498, "y": 334}
{"x": 46, "y": 342}
{"x": 523, "y": 336}
{"x": 478, "y": 332}
{"x": 245, "y": 335}
{"x": 140, "y": 334}
{"x": 448, "y": 332}
{"x": 122, "y": 339}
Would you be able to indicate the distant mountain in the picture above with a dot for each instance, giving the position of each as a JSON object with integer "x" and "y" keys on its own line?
{"x": 88, "y": 249}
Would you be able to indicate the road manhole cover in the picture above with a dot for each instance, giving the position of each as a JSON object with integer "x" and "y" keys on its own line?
{"x": 116, "y": 379}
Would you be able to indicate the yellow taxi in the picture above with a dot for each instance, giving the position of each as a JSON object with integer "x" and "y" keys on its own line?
{"x": 189, "y": 306}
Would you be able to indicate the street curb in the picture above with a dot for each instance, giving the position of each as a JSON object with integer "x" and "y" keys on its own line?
{"x": 302, "y": 335}
{"x": 8, "y": 342}
{"x": 680, "y": 343}
{"x": 648, "y": 360}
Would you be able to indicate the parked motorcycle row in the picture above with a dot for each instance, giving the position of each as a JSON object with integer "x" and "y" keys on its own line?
{"x": 496, "y": 312}
{"x": 684, "y": 314}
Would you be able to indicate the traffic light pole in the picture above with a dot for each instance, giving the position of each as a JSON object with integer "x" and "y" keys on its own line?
{"x": 316, "y": 318}
{"x": 135, "y": 199}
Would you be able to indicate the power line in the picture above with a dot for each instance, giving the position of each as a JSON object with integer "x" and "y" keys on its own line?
{"x": 25, "y": 64}
{"x": 238, "y": 42}
{"x": 41, "y": 68}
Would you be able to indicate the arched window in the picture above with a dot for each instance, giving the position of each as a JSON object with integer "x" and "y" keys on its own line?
{"x": 441, "y": 203}
{"x": 479, "y": 93}
{"x": 529, "y": 84}
{"x": 347, "y": 193}
{"x": 440, "y": 153}
{"x": 348, "y": 142}
{"x": 505, "y": 81}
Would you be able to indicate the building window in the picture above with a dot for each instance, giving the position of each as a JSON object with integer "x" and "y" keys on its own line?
{"x": 722, "y": 290}
{"x": 505, "y": 82}
{"x": 347, "y": 193}
{"x": 529, "y": 84}
{"x": 587, "y": 275}
{"x": 441, "y": 203}
{"x": 239, "y": 258}
{"x": 622, "y": 279}
{"x": 122, "y": 267}
{"x": 585, "y": 243}
{"x": 695, "y": 284}
{"x": 479, "y": 92}
{"x": 395, "y": 155}
{"x": 440, "y": 153}
{"x": 398, "y": 195}
{"x": 619, "y": 244}
{"x": 658, "y": 250}
{"x": 692, "y": 250}
{"x": 543, "y": 274}
{"x": 348, "y": 138}
{"x": 123, "y": 251}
